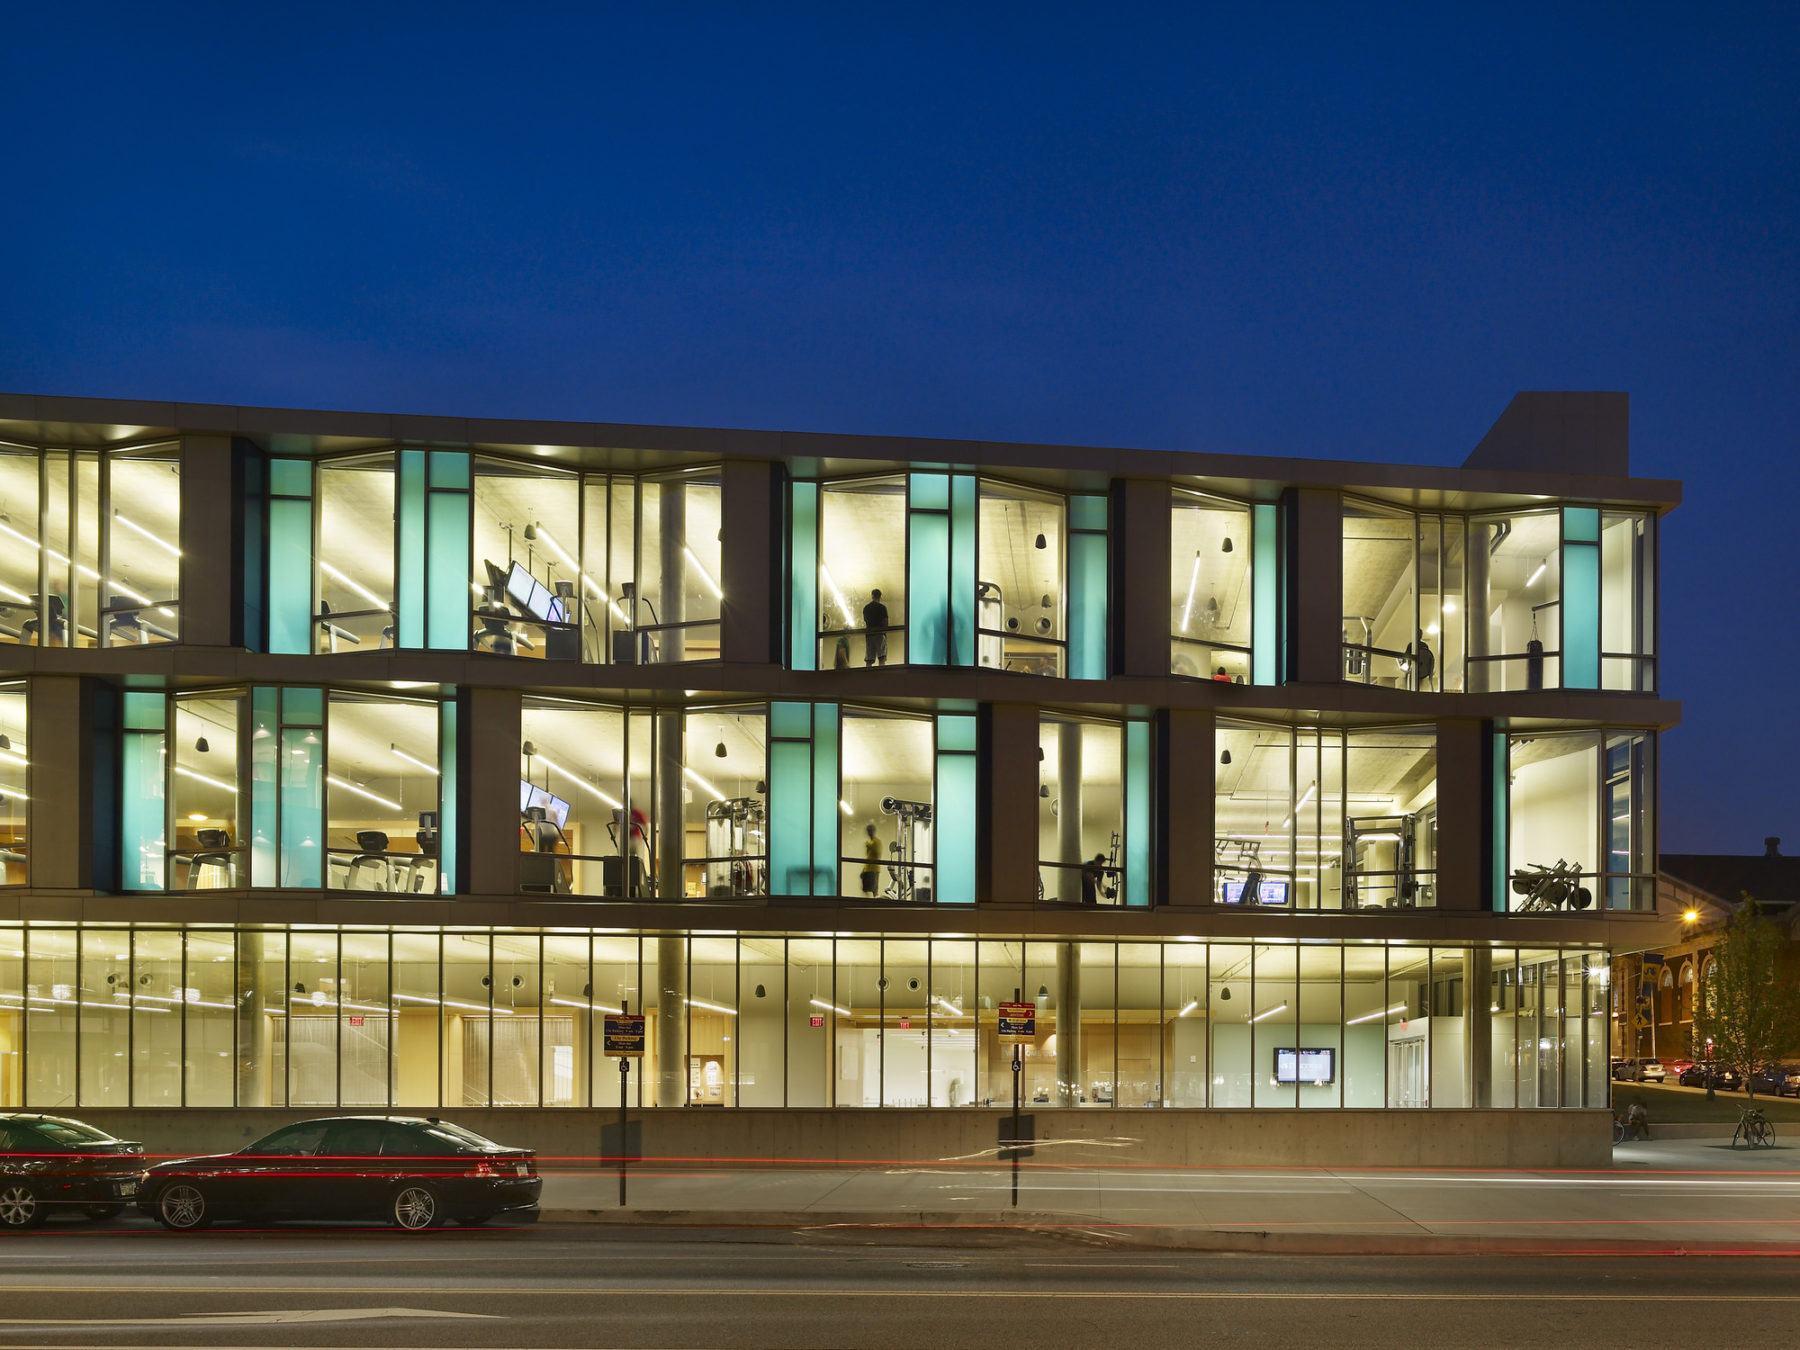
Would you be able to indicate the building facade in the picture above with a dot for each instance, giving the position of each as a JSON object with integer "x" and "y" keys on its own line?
{"x": 1281, "y": 786}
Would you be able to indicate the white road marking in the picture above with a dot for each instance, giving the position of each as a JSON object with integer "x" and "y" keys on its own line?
{"x": 241, "y": 1319}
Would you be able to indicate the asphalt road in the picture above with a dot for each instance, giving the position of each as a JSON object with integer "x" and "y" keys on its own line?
{"x": 576, "y": 1287}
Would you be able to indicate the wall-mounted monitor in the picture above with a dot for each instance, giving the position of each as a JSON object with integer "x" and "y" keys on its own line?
{"x": 1293, "y": 1065}
{"x": 535, "y": 598}
{"x": 555, "y": 808}
{"x": 1267, "y": 893}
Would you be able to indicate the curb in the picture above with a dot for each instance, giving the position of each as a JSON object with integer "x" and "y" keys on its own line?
{"x": 972, "y": 1227}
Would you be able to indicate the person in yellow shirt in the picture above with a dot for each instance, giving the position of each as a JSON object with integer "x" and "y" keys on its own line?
{"x": 871, "y": 868}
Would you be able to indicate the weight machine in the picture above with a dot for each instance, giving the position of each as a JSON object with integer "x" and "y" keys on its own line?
{"x": 736, "y": 862}
{"x": 914, "y": 819}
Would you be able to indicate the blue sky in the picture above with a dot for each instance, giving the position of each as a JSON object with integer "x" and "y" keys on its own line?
{"x": 1285, "y": 229}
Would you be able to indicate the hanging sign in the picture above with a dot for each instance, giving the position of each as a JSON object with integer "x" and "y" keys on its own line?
{"x": 1018, "y": 1022}
{"x": 624, "y": 1035}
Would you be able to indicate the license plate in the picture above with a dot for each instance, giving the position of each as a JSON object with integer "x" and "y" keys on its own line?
{"x": 521, "y": 1170}
{"x": 126, "y": 1188}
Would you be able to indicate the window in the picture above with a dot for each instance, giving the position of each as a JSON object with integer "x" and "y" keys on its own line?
{"x": 1323, "y": 819}
{"x": 1081, "y": 812}
{"x": 1019, "y": 579}
{"x": 1628, "y": 601}
{"x": 1403, "y": 588}
{"x": 861, "y": 572}
{"x": 353, "y": 591}
{"x": 382, "y": 802}
{"x": 527, "y": 589}
{"x": 725, "y": 826}
{"x": 1567, "y": 793}
{"x": 675, "y": 602}
{"x": 1515, "y": 583}
{"x": 15, "y": 768}
{"x": 889, "y": 825}
{"x": 586, "y": 800}
{"x": 294, "y": 1141}
{"x": 94, "y": 547}
{"x": 1210, "y": 588}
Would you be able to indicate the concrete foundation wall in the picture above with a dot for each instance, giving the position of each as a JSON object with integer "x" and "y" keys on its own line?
{"x": 1338, "y": 1138}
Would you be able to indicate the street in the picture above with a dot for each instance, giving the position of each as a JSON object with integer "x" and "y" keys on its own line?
{"x": 572, "y": 1286}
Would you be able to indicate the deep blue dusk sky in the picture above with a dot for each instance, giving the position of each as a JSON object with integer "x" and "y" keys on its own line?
{"x": 1292, "y": 230}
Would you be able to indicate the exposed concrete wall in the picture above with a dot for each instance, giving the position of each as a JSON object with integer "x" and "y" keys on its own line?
{"x": 490, "y": 789}
{"x": 1186, "y": 769}
{"x": 210, "y": 602}
{"x": 1315, "y": 585}
{"x": 1577, "y": 1139}
{"x": 1140, "y": 584}
{"x": 751, "y": 562}
{"x": 1559, "y": 431}
{"x": 1006, "y": 861}
{"x": 1463, "y": 814}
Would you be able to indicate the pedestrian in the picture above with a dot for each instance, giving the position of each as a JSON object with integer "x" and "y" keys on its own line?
{"x": 871, "y": 868}
{"x": 1637, "y": 1122}
{"x": 875, "y": 623}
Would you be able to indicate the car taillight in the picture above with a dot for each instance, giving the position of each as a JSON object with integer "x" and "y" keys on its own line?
{"x": 483, "y": 1168}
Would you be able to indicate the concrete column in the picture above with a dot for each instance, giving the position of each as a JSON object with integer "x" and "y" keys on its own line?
{"x": 671, "y": 1021}
{"x": 1478, "y": 1036}
{"x": 751, "y": 566}
{"x": 1186, "y": 768}
{"x": 488, "y": 790}
{"x": 253, "y": 1023}
{"x": 1067, "y": 882}
{"x": 672, "y": 523}
{"x": 72, "y": 818}
{"x": 1141, "y": 584}
{"x": 1068, "y": 1023}
{"x": 1479, "y": 674}
{"x": 212, "y": 533}
{"x": 1315, "y": 585}
{"x": 1463, "y": 817}
{"x": 1006, "y": 854}
{"x": 671, "y": 798}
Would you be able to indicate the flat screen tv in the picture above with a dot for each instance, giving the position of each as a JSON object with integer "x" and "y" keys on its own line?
{"x": 1304, "y": 1065}
{"x": 1267, "y": 893}
{"x": 535, "y": 598}
{"x": 555, "y": 808}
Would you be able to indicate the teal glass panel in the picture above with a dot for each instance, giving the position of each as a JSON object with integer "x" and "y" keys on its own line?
{"x": 264, "y": 763}
{"x": 1087, "y": 606}
{"x": 927, "y": 588}
{"x": 290, "y": 478}
{"x": 302, "y": 808}
{"x": 956, "y": 733}
{"x": 962, "y": 570}
{"x": 1137, "y": 813}
{"x": 954, "y": 812}
{"x": 790, "y": 812}
{"x": 1581, "y": 524}
{"x": 825, "y": 799}
{"x": 1087, "y": 513}
{"x": 144, "y": 813}
{"x": 145, "y": 712}
{"x": 1581, "y": 616}
{"x": 290, "y": 576}
{"x": 449, "y": 469}
{"x": 1265, "y": 609}
{"x": 447, "y": 785}
{"x": 790, "y": 720}
{"x": 1500, "y": 787}
{"x": 411, "y": 530}
{"x": 448, "y": 571}
{"x": 803, "y": 579}
{"x": 303, "y": 707}
{"x": 930, "y": 492}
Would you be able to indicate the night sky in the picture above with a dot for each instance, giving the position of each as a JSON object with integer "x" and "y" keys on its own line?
{"x": 1283, "y": 230}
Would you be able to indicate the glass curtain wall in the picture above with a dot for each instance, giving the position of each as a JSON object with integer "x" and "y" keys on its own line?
{"x": 1210, "y": 591}
{"x": 1081, "y": 811}
{"x": 585, "y": 802}
{"x": 1325, "y": 819}
{"x": 1515, "y": 582}
{"x": 209, "y": 849}
{"x": 1628, "y": 601}
{"x": 1019, "y": 561}
{"x": 382, "y": 799}
{"x": 419, "y": 1020}
{"x": 1581, "y": 821}
{"x": 725, "y": 810}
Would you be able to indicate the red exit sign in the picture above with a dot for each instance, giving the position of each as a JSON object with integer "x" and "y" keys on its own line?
{"x": 817, "y": 1020}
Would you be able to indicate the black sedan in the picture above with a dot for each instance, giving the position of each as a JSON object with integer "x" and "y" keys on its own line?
{"x": 1715, "y": 1076}
{"x": 51, "y": 1163}
{"x": 413, "y": 1172}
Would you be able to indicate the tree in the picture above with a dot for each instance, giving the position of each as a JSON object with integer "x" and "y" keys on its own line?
{"x": 1749, "y": 1004}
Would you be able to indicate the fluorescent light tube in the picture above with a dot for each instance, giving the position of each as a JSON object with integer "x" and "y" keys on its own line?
{"x": 829, "y": 1007}
{"x": 1384, "y": 1012}
{"x": 348, "y": 786}
{"x": 705, "y": 576}
{"x": 1280, "y": 1007}
{"x": 548, "y": 764}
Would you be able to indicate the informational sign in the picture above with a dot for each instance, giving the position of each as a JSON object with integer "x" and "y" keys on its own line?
{"x": 624, "y": 1035}
{"x": 1018, "y": 1022}
{"x": 1654, "y": 959}
{"x": 817, "y": 1020}
{"x": 905, "y": 1024}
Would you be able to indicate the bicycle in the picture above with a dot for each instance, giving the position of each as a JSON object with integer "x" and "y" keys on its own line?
{"x": 1754, "y": 1128}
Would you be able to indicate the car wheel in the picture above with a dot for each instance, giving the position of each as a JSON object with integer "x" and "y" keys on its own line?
{"x": 415, "y": 1208}
{"x": 20, "y": 1206}
{"x": 103, "y": 1211}
{"x": 183, "y": 1208}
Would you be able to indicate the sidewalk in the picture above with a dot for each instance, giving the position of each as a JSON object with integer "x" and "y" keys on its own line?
{"x": 1680, "y": 1194}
